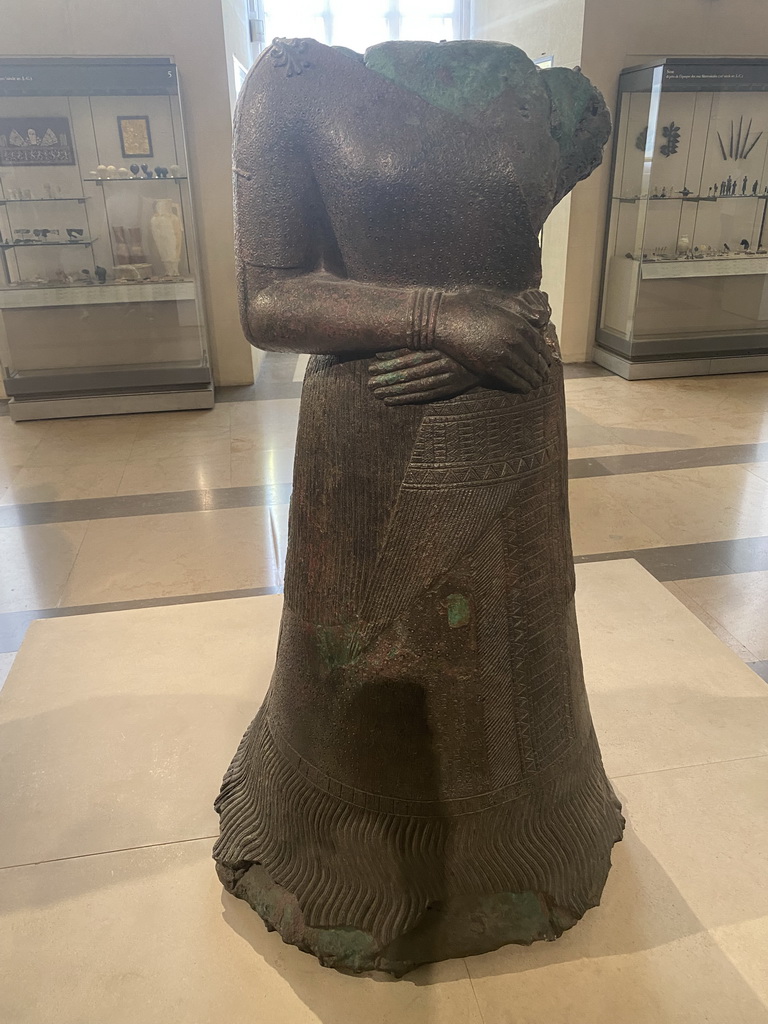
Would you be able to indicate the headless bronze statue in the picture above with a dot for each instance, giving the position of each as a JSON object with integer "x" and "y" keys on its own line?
{"x": 423, "y": 780}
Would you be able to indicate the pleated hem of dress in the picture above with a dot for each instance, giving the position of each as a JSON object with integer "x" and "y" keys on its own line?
{"x": 377, "y": 872}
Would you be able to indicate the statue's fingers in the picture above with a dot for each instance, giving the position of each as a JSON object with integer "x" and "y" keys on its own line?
{"x": 512, "y": 381}
{"x": 534, "y": 347}
{"x": 402, "y": 360}
{"x": 523, "y": 363}
{"x": 413, "y": 373}
{"x": 433, "y": 395}
{"x": 409, "y": 387}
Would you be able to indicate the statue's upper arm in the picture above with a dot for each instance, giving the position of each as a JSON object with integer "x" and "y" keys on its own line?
{"x": 274, "y": 187}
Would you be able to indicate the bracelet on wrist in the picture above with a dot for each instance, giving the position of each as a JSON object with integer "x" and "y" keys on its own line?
{"x": 423, "y": 309}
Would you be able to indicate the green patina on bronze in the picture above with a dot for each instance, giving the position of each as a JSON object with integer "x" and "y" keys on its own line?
{"x": 338, "y": 646}
{"x": 459, "y": 611}
{"x": 449, "y": 928}
{"x": 462, "y": 76}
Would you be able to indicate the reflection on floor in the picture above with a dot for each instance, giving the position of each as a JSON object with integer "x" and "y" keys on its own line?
{"x": 134, "y": 511}
{"x": 116, "y": 728}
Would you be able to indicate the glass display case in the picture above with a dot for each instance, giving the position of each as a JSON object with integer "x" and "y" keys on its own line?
{"x": 685, "y": 289}
{"x": 100, "y": 301}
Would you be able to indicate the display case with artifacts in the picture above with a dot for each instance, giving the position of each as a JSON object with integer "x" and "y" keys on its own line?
{"x": 100, "y": 303}
{"x": 684, "y": 286}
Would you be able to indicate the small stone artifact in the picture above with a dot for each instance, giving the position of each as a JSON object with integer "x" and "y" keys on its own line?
{"x": 672, "y": 134}
{"x": 168, "y": 234}
{"x": 423, "y": 779}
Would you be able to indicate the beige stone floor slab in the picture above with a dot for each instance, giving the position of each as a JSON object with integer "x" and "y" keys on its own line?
{"x": 180, "y": 473}
{"x": 262, "y": 466}
{"x": 601, "y": 521}
{"x": 739, "y": 602}
{"x": 129, "y": 718}
{"x": 6, "y": 661}
{"x": 711, "y": 623}
{"x": 660, "y": 684}
{"x": 86, "y": 440}
{"x": 597, "y": 427}
{"x": 35, "y": 563}
{"x": 8, "y": 472}
{"x": 116, "y": 729}
{"x": 140, "y": 557}
{"x": 65, "y": 482}
{"x": 746, "y": 946}
{"x": 642, "y": 957}
{"x": 209, "y": 444}
{"x": 149, "y": 937}
{"x": 15, "y": 453}
{"x": 301, "y": 368}
{"x": 264, "y": 425}
{"x": 600, "y": 451}
{"x": 675, "y": 413}
{"x": 656, "y": 705}
{"x": 681, "y": 506}
{"x": 708, "y": 825}
{"x": 185, "y": 421}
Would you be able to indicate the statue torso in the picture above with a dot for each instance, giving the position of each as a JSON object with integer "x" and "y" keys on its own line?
{"x": 414, "y": 192}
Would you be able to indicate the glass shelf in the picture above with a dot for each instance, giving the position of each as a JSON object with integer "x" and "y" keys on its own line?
{"x": 34, "y": 245}
{"x": 684, "y": 199}
{"x": 50, "y": 199}
{"x": 122, "y": 181}
{"x": 81, "y": 332}
{"x": 716, "y": 266}
{"x": 686, "y": 246}
{"x": 90, "y": 294}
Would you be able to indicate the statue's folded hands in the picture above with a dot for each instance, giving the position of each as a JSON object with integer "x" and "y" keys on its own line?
{"x": 408, "y": 378}
{"x": 482, "y": 337}
{"x": 498, "y": 338}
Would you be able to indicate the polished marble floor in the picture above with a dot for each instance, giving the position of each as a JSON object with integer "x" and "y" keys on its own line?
{"x": 115, "y": 730}
{"x": 132, "y": 511}
{"x": 152, "y": 550}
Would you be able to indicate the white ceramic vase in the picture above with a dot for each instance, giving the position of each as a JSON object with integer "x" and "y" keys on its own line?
{"x": 167, "y": 233}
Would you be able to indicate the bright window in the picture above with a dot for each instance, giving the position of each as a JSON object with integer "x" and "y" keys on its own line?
{"x": 359, "y": 25}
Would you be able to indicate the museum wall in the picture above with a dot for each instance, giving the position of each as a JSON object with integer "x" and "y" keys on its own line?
{"x": 543, "y": 29}
{"x": 540, "y": 27}
{"x": 192, "y": 33}
{"x": 602, "y": 37}
{"x": 236, "y": 42}
{"x": 622, "y": 33}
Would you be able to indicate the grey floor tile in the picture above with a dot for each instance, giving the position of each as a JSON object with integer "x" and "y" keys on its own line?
{"x": 693, "y": 561}
{"x": 579, "y": 468}
{"x": 684, "y": 561}
{"x": 260, "y": 391}
{"x": 761, "y": 668}
{"x": 275, "y": 380}
{"x": 42, "y": 512}
{"x": 686, "y": 458}
{"x": 572, "y": 371}
{"x": 746, "y": 554}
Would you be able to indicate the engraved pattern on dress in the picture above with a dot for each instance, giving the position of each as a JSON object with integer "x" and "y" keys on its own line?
{"x": 289, "y": 53}
{"x": 477, "y": 440}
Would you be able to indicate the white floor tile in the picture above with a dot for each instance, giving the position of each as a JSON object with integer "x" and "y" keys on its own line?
{"x": 116, "y": 728}
{"x": 149, "y": 937}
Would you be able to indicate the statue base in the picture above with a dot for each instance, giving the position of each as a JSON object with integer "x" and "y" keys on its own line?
{"x": 458, "y": 927}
